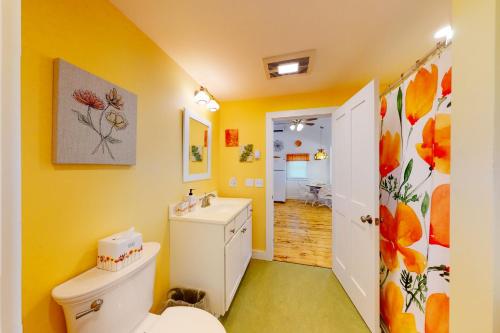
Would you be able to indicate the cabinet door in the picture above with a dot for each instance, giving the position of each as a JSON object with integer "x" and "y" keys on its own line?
{"x": 246, "y": 244}
{"x": 233, "y": 267}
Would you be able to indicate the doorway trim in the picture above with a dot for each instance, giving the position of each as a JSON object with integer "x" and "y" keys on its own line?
{"x": 10, "y": 166}
{"x": 268, "y": 254}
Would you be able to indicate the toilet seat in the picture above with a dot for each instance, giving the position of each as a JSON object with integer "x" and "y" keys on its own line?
{"x": 183, "y": 319}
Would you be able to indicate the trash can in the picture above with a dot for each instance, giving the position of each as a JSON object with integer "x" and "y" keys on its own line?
{"x": 187, "y": 297}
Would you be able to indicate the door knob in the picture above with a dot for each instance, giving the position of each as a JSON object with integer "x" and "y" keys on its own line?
{"x": 367, "y": 219}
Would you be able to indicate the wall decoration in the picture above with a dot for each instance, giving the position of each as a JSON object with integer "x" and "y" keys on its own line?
{"x": 232, "y": 138}
{"x": 298, "y": 143}
{"x": 94, "y": 120}
{"x": 196, "y": 153}
{"x": 246, "y": 153}
{"x": 415, "y": 200}
{"x": 278, "y": 145}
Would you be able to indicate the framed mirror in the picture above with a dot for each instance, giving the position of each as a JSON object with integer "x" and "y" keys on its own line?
{"x": 197, "y": 147}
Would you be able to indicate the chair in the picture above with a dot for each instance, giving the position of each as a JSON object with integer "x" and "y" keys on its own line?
{"x": 306, "y": 194}
{"x": 325, "y": 196}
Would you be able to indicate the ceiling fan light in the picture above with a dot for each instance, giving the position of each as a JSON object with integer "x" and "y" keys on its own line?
{"x": 292, "y": 127}
{"x": 300, "y": 126}
{"x": 201, "y": 96}
{"x": 213, "y": 105}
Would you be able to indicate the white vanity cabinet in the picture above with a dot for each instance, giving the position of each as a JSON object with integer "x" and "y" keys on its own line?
{"x": 210, "y": 249}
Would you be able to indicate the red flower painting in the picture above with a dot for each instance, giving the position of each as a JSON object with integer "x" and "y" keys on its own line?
{"x": 232, "y": 138}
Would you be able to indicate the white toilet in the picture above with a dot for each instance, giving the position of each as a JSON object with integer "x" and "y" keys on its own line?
{"x": 99, "y": 301}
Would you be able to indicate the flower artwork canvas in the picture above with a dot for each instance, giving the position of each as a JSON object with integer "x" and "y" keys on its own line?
{"x": 232, "y": 138}
{"x": 246, "y": 153}
{"x": 94, "y": 120}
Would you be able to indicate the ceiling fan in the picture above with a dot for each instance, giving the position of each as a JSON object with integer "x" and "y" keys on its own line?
{"x": 298, "y": 124}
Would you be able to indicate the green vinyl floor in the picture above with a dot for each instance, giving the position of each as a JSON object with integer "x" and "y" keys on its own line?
{"x": 278, "y": 297}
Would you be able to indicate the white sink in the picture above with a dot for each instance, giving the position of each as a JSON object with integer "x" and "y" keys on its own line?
{"x": 220, "y": 211}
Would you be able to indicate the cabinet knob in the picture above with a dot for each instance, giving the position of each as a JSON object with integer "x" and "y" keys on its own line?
{"x": 243, "y": 230}
{"x": 232, "y": 231}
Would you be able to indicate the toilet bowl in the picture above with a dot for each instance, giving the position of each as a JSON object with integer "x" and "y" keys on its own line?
{"x": 99, "y": 301}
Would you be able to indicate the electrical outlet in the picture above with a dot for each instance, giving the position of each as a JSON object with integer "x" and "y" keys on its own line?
{"x": 249, "y": 182}
{"x": 259, "y": 182}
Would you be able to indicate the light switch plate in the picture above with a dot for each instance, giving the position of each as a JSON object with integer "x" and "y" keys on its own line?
{"x": 259, "y": 182}
{"x": 249, "y": 182}
{"x": 233, "y": 182}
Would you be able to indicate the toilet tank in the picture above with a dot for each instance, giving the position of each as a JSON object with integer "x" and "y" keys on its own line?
{"x": 126, "y": 296}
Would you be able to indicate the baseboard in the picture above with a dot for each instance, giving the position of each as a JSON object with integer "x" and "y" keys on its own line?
{"x": 261, "y": 255}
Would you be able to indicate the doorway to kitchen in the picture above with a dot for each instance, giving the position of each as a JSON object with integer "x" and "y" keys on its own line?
{"x": 301, "y": 186}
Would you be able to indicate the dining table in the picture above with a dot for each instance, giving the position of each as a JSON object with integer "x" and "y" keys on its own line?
{"x": 314, "y": 189}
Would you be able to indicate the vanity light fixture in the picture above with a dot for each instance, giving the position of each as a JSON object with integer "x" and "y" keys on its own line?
{"x": 213, "y": 105}
{"x": 288, "y": 68}
{"x": 445, "y": 32}
{"x": 201, "y": 96}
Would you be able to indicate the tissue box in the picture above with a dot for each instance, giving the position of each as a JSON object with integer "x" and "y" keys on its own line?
{"x": 120, "y": 250}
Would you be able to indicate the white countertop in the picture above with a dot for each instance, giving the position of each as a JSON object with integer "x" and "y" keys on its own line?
{"x": 220, "y": 211}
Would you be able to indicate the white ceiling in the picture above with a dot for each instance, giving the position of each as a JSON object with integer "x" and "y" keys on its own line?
{"x": 221, "y": 43}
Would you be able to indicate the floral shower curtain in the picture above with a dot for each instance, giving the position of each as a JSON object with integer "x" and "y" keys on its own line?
{"x": 415, "y": 200}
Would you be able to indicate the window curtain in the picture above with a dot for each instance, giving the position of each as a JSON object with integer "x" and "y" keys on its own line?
{"x": 297, "y": 157}
{"x": 415, "y": 200}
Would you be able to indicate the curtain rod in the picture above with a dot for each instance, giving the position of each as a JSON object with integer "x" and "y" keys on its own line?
{"x": 440, "y": 46}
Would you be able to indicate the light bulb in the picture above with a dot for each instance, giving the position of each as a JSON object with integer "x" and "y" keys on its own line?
{"x": 288, "y": 68}
{"x": 201, "y": 96}
{"x": 292, "y": 127}
{"x": 445, "y": 32}
{"x": 300, "y": 127}
{"x": 213, "y": 105}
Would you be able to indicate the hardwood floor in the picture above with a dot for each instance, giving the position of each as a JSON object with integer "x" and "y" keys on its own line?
{"x": 303, "y": 234}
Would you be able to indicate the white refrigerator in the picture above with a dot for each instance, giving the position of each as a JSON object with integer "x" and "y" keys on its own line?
{"x": 279, "y": 179}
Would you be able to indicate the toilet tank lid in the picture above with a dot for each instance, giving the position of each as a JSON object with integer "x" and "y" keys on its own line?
{"x": 95, "y": 281}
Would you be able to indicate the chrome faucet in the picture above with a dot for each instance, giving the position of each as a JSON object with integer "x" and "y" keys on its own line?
{"x": 205, "y": 200}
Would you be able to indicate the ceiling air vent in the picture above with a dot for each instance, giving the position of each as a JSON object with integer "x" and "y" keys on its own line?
{"x": 299, "y": 63}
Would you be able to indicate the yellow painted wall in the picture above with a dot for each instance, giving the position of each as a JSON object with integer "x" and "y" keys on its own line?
{"x": 66, "y": 209}
{"x": 475, "y": 172}
{"x": 249, "y": 117}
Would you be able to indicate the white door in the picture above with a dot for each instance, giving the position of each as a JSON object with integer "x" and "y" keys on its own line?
{"x": 355, "y": 201}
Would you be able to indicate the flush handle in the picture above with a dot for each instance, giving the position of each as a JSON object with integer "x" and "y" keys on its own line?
{"x": 94, "y": 307}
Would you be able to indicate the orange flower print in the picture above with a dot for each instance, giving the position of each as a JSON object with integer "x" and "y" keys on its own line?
{"x": 391, "y": 308}
{"x": 383, "y": 107}
{"x": 232, "y": 138}
{"x": 88, "y": 98}
{"x": 437, "y": 314}
{"x": 435, "y": 148}
{"x": 420, "y": 94}
{"x": 446, "y": 84}
{"x": 389, "y": 151}
{"x": 440, "y": 216}
{"x": 398, "y": 233}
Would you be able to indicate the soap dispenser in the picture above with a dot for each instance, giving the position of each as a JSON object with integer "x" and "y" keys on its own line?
{"x": 191, "y": 200}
